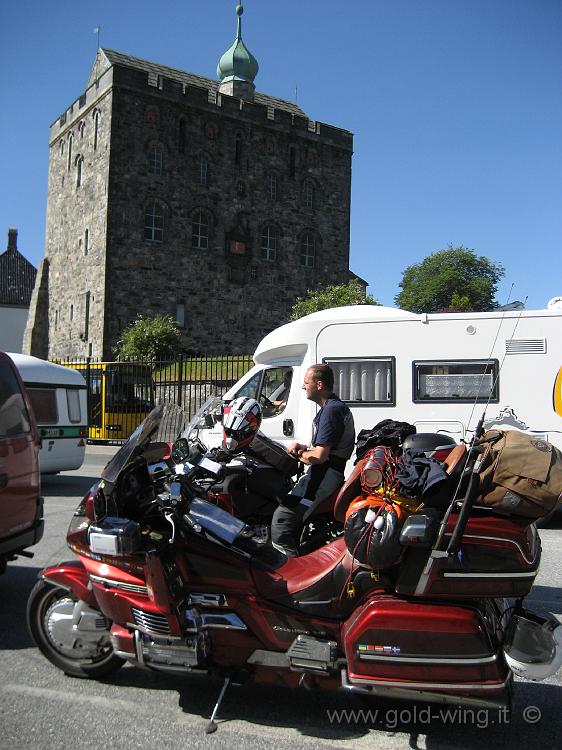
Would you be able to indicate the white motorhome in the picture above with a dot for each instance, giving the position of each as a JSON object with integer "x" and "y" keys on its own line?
{"x": 59, "y": 401}
{"x": 439, "y": 372}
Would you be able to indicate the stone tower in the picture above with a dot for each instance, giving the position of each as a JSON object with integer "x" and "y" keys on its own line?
{"x": 173, "y": 193}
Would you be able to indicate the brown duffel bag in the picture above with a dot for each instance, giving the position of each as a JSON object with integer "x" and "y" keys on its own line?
{"x": 520, "y": 474}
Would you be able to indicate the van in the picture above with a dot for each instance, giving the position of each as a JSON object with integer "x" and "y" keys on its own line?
{"x": 440, "y": 372}
{"x": 59, "y": 403}
{"x": 21, "y": 505}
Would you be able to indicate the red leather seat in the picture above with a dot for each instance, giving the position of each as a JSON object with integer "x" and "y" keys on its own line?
{"x": 299, "y": 574}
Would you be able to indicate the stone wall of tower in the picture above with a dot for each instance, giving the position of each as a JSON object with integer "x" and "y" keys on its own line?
{"x": 231, "y": 300}
{"x": 230, "y": 292}
{"x": 76, "y": 229}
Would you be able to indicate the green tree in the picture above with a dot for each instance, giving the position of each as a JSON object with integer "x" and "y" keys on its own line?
{"x": 451, "y": 279}
{"x": 339, "y": 295}
{"x": 149, "y": 338}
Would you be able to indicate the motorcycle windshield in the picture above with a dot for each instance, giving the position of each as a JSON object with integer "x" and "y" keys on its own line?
{"x": 204, "y": 419}
{"x": 134, "y": 445}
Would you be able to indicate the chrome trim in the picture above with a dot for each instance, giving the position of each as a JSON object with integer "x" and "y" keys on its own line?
{"x": 132, "y": 588}
{"x": 427, "y": 685}
{"x": 424, "y": 660}
{"x": 150, "y": 623}
{"x": 427, "y": 695}
{"x": 207, "y": 600}
{"x": 503, "y": 539}
{"x": 490, "y": 575}
{"x": 223, "y": 620}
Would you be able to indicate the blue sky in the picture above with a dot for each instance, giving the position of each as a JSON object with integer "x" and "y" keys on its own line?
{"x": 455, "y": 106}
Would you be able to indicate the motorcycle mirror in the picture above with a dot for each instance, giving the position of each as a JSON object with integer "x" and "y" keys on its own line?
{"x": 180, "y": 450}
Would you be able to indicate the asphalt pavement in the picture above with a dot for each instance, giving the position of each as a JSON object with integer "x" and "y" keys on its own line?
{"x": 42, "y": 708}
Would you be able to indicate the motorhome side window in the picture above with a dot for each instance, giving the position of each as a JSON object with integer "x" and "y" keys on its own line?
{"x": 365, "y": 381}
{"x": 456, "y": 381}
{"x": 44, "y": 404}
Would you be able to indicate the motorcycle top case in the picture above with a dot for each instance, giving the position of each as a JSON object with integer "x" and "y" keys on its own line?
{"x": 274, "y": 454}
{"x": 114, "y": 536}
{"x": 498, "y": 557}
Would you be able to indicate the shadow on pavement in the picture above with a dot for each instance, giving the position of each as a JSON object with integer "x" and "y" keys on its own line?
{"x": 15, "y": 585}
{"x": 68, "y": 485}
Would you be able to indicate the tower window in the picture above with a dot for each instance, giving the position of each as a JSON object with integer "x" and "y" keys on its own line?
{"x": 180, "y": 314}
{"x": 200, "y": 230}
{"x": 154, "y": 222}
{"x": 269, "y": 243}
{"x": 271, "y": 184}
{"x": 204, "y": 171}
{"x": 308, "y": 250}
{"x": 79, "y": 170}
{"x": 96, "y": 129}
{"x": 155, "y": 160}
{"x": 308, "y": 194}
{"x": 238, "y": 149}
{"x": 70, "y": 152}
{"x": 86, "y": 241}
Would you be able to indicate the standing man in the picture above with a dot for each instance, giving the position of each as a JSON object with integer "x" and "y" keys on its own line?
{"x": 333, "y": 440}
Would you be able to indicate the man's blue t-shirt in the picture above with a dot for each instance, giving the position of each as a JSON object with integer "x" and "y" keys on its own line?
{"x": 333, "y": 426}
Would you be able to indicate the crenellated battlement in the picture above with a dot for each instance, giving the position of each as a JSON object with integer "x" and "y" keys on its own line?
{"x": 122, "y": 71}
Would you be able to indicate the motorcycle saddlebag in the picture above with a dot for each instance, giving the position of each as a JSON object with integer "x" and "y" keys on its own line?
{"x": 520, "y": 475}
{"x": 274, "y": 454}
{"x": 398, "y": 643}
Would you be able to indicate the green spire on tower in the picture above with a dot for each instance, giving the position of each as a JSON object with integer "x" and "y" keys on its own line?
{"x": 238, "y": 63}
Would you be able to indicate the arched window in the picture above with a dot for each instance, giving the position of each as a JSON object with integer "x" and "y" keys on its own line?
{"x": 81, "y": 127}
{"x": 61, "y": 148}
{"x": 79, "y": 170}
{"x": 69, "y": 152}
{"x": 269, "y": 242}
{"x": 154, "y": 221}
{"x": 308, "y": 194}
{"x": 155, "y": 159}
{"x": 96, "y": 128}
{"x": 200, "y": 230}
{"x": 271, "y": 185}
{"x": 308, "y": 249}
{"x": 181, "y": 136}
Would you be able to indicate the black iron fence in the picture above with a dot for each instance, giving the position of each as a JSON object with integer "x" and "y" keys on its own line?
{"x": 121, "y": 393}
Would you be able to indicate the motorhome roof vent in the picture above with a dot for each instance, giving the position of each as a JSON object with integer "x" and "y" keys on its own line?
{"x": 525, "y": 346}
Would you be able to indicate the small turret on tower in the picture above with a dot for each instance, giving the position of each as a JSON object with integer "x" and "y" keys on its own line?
{"x": 237, "y": 68}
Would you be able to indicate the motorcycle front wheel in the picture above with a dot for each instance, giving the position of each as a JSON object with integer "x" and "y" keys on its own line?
{"x": 52, "y": 623}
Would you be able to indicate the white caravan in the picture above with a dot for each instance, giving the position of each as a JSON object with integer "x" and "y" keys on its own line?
{"x": 58, "y": 398}
{"x": 439, "y": 372}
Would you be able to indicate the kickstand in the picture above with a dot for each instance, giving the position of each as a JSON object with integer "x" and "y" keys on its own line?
{"x": 211, "y": 726}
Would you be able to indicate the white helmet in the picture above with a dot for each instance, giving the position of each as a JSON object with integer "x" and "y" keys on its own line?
{"x": 240, "y": 423}
{"x": 533, "y": 646}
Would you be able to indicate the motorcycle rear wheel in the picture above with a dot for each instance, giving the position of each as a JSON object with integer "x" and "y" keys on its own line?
{"x": 43, "y": 602}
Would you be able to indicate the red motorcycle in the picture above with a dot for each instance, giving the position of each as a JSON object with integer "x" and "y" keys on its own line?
{"x": 169, "y": 581}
